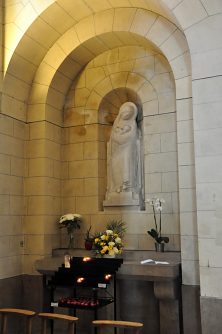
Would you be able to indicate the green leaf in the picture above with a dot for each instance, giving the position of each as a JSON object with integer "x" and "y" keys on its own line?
{"x": 117, "y": 226}
{"x": 164, "y": 239}
{"x": 153, "y": 233}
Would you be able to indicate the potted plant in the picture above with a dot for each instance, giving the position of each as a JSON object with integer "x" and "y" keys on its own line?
{"x": 109, "y": 243}
{"x": 156, "y": 233}
{"x": 89, "y": 239}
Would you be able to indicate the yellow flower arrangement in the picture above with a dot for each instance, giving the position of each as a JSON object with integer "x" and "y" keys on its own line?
{"x": 108, "y": 243}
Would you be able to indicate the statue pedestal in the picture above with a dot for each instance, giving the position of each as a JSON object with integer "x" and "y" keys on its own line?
{"x": 123, "y": 200}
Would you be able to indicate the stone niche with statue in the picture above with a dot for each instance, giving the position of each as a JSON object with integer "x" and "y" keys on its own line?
{"x": 124, "y": 162}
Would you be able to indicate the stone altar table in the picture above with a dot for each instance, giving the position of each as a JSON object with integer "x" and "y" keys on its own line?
{"x": 166, "y": 279}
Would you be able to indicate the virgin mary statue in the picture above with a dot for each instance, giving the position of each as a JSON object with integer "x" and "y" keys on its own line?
{"x": 123, "y": 159}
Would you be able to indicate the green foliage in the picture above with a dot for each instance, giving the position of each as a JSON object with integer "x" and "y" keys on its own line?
{"x": 117, "y": 226}
{"x": 154, "y": 234}
{"x": 88, "y": 236}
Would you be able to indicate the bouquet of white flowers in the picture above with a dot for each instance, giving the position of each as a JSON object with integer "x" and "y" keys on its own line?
{"x": 71, "y": 221}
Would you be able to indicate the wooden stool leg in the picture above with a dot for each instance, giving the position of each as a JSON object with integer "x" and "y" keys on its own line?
{"x": 28, "y": 325}
{"x": 71, "y": 329}
{"x": 99, "y": 330}
{"x": 4, "y": 324}
{"x": 25, "y": 314}
{"x": 44, "y": 326}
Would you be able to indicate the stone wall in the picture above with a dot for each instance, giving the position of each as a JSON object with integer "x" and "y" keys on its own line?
{"x": 42, "y": 191}
{"x": 12, "y": 202}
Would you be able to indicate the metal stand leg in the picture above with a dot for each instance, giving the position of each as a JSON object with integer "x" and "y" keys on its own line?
{"x": 95, "y": 297}
{"x": 114, "y": 306}
{"x": 51, "y": 310}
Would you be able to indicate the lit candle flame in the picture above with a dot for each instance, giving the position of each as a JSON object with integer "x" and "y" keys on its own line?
{"x": 80, "y": 279}
{"x": 108, "y": 276}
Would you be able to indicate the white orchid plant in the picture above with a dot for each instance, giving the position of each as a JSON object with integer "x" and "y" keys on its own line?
{"x": 157, "y": 206}
{"x": 71, "y": 221}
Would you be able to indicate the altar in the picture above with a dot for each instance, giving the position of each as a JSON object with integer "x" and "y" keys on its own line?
{"x": 162, "y": 274}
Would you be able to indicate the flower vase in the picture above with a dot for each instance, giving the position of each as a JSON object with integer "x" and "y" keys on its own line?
{"x": 71, "y": 240}
{"x": 159, "y": 247}
{"x": 88, "y": 244}
{"x": 108, "y": 256}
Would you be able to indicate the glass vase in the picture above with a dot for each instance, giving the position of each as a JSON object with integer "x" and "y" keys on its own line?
{"x": 71, "y": 239}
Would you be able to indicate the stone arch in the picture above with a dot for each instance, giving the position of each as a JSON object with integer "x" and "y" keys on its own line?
{"x": 67, "y": 48}
{"x": 36, "y": 20}
{"x": 111, "y": 102}
{"x": 179, "y": 52}
{"x": 173, "y": 45}
{"x": 144, "y": 91}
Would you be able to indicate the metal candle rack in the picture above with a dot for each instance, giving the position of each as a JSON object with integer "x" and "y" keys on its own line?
{"x": 91, "y": 272}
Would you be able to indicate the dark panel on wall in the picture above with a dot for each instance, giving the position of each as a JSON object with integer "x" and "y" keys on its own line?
{"x": 11, "y": 292}
{"x": 138, "y": 303}
{"x": 191, "y": 309}
{"x": 211, "y": 315}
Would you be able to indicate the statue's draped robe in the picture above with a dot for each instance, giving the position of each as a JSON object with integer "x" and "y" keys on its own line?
{"x": 123, "y": 155}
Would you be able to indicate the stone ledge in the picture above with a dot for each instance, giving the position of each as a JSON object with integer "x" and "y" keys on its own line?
{"x": 131, "y": 267}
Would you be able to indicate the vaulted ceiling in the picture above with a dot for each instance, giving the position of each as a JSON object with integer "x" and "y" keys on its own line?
{"x": 49, "y": 42}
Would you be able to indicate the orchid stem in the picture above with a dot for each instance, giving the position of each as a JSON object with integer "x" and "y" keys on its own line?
{"x": 154, "y": 214}
{"x": 160, "y": 218}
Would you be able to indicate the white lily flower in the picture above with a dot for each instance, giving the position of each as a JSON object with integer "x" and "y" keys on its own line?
{"x": 111, "y": 243}
{"x": 68, "y": 216}
{"x": 76, "y": 215}
{"x": 118, "y": 240}
{"x": 115, "y": 249}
